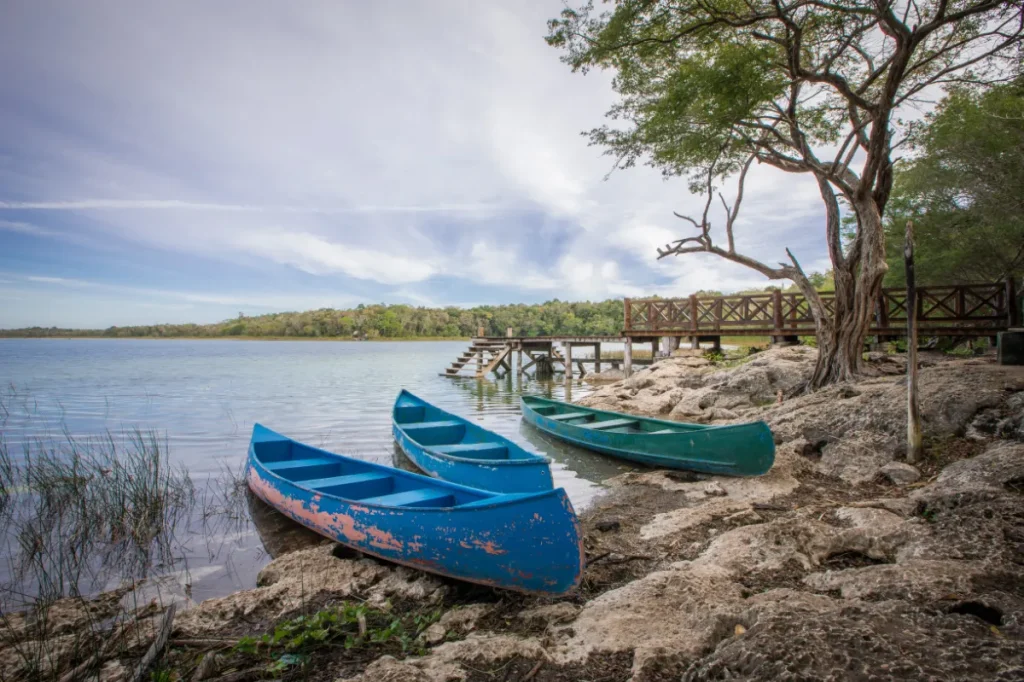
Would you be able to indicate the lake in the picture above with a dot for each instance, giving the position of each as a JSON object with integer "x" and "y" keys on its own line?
{"x": 203, "y": 396}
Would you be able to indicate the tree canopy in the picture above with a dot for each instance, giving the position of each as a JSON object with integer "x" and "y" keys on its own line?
{"x": 965, "y": 189}
{"x": 708, "y": 87}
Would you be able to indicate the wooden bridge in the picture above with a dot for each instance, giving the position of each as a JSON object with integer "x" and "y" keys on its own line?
{"x": 958, "y": 311}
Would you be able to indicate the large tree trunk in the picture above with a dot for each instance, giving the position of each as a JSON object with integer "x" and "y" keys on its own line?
{"x": 858, "y": 282}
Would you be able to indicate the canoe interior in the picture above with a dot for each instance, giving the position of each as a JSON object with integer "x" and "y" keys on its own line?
{"x": 355, "y": 481}
{"x": 605, "y": 421}
{"x": 444, "y": 433}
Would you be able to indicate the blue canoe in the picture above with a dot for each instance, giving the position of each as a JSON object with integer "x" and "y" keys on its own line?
{"x": 526, "y": 542}
{"x": 450, "y": 447}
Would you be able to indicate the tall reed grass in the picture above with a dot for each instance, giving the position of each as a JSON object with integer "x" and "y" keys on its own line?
{"x": 76, "y": 512}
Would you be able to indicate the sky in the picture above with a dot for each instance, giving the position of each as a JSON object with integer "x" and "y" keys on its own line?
{"x": 188, "y": 161}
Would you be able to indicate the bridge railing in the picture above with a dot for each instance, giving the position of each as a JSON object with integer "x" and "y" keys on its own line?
{"x": 968, "y": 309}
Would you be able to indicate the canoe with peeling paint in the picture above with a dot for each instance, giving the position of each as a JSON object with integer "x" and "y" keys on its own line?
{"x": 447, "y": 446}
{"x": 733, "y": 450}
{"x": 528, "y": 542}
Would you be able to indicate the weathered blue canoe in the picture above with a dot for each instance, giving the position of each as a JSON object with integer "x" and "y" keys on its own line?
{"x": 526, "y": 542}
{"x": 734, "y": 449}
{"x": 449, "y": 447}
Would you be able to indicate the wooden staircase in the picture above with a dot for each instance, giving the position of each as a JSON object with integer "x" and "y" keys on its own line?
{"x": 481, "y": 358}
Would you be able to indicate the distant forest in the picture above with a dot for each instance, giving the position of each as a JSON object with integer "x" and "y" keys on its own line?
{"x": 382, "y": 321}
{"x": 551, "y": 318}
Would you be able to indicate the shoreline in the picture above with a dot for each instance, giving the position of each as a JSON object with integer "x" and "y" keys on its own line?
{"x": 237, "y": 338}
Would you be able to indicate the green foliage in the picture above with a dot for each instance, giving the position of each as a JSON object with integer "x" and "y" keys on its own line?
{"x": 713, "y": 355}
{"x": 348, "y": 625}
{"x": 389, "y": 322}
{"x": 963, "y": 191}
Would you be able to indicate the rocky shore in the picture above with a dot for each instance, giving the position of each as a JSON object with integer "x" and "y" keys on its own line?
{"x": 842, "y": 563}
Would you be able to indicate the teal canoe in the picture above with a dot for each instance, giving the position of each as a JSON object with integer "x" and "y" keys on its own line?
{"x": 733, "y": 450}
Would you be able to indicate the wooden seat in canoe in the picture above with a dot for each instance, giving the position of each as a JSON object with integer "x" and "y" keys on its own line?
{"x": 611, "y": 424}
{"x": 421, "y": 497}
{"x": 474, "y": 450}
{"x": 568, "y": 416}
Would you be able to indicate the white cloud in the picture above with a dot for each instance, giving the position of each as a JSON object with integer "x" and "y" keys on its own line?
{"x": 25, "y": 228}
{"x": 316, "y": 255}
{"x": 352, "y": 142}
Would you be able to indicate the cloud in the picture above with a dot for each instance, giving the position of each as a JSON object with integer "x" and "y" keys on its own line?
{"x": 25, "y": 228}
{"x": 141, "y": 295}
{"x": 330, "y": 159}
{"x": 316, "y": 255}
{"x": 163, "y": 204}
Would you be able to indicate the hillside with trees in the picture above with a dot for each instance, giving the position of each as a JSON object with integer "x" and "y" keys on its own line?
{"x": 382, "y": 321}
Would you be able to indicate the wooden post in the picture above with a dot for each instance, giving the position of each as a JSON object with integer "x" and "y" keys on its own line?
{"x": 913, "y": 415}
{"x": 777, "y": 310}
{"x": 519, "y": 361}
{"x": 627, "y": 357}
{"x": 508, "y": 332}
{"x": 568, "y": 361}
{"x": 1012, "y": 312}
{"x": 627, "y": 313}
{"x": 654, "y": 349}
{"x": 480, "y": 331}
{"x": 597, "y": 358}
{"x": 693, "y": 313}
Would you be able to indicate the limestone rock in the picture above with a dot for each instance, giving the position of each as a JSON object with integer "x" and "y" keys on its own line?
{"x": 743, "y": 518}
{"x": 287, "y": 581}
{"x": 990, "y": 472}
{"x": 464, "y": 618}
{"x": 916, "y": 579}
{"x": 858, "y": 456}
{"x": 434, "y": 634}
{"x": 896, "y": 641}
{"x": 682, "y": 609}
{"x": 713, "y": 489}
{"x": 900, "y": 473}
{"x": 550, "y": 614}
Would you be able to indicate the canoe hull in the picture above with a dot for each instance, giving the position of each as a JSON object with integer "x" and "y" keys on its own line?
{"x": 731, "y": 450}
{"x": 520, "y": 471}
{"x": 524, "y": 477}
{"x": 528, "y": 543}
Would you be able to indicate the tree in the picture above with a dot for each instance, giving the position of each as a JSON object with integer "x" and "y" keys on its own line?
{"x": 963, "y": 190}
{"x": 708, "y": 87}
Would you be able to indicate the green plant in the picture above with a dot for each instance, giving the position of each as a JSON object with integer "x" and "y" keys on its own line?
{"x": 162, "y": 675}
{"x": 713, "y": 355}
{"x": 348, "y": 625}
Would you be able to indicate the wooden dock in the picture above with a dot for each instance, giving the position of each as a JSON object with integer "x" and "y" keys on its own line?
{"x": 541, "y": 354}
{"x": 957, "y": 311}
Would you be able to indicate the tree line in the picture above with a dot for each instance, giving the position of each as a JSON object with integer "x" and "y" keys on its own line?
{"x": 383, "y": 322}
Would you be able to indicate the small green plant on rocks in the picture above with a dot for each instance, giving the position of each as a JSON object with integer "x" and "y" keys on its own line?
{"x": 348, "y": 625}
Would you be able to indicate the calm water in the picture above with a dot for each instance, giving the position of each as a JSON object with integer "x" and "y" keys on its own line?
{"x": 204, "y": 396}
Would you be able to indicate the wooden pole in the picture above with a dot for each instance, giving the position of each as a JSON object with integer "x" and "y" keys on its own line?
{"x": 914, "y": 441}
{"x": 627, "y": 357}
{"x": 568, "y": 361}
{"x": 519, "y": 361}
{"x": 1012, "y": 313}
{"x": 597, "y": 358}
